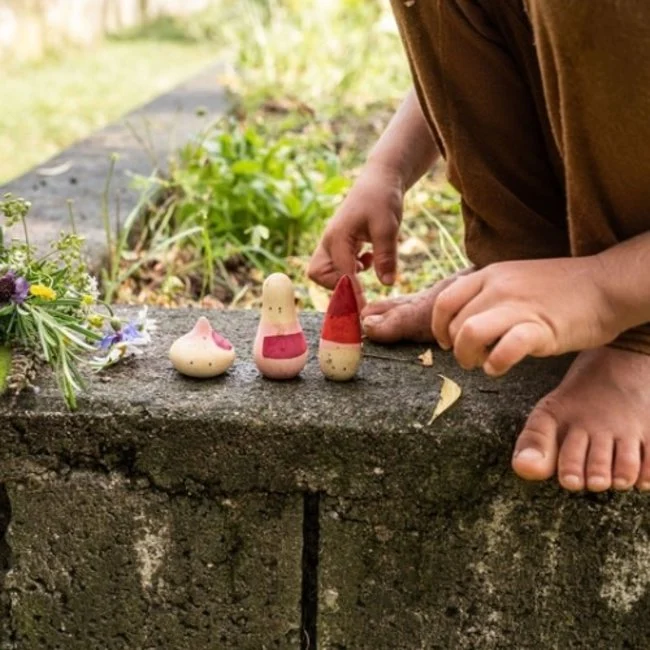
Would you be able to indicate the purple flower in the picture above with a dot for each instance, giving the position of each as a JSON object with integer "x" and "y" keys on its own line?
{"x": 127, "y": 334}
{"x": 13, "y": 289}
{"x": 22, "y": 290}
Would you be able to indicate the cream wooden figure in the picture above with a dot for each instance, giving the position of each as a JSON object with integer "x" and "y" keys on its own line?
{"x": 280, "y": 350}
{"x": 202, "y": 352}
{"x": 339, "y": 350}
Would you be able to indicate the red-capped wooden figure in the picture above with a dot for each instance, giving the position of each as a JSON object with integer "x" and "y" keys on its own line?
{"x": 339, "y": 351}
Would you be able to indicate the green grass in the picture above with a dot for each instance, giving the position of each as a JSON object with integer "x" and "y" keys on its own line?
{"x": 334, "y": 56}
{"x": 48, "y": 105}
{"x": 237, "y": 193}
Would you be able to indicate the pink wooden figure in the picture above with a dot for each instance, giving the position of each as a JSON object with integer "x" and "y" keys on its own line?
{"x": 202, "y": 352}
{"x": 280, "y": 350}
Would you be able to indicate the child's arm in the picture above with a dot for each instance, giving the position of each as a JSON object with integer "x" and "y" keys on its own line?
{"x": 372, "y": 211}
{"x": 406, "y": 146}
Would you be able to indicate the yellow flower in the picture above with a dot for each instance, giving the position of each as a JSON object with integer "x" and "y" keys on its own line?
{"x": 41, "y": 291}
{"x": 87, "y": 300}
{"x": 96, "y": 320}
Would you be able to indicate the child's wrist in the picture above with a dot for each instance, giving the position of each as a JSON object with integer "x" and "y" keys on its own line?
{"x": 619, "y": 304}
{"x": 387, "y": 168}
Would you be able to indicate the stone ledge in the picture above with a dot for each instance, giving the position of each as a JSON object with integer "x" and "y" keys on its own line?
{"x": 240, "y": 432}
{"x": 102, "y": 561}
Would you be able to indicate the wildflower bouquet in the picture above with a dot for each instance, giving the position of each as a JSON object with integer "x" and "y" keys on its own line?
{"x": 48, "y": 312}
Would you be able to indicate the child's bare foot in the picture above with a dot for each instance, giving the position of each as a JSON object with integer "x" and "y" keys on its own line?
{"x": 497, "y": 316}
{"x": 407, "y": 318}
{"x": 593, "y": 431}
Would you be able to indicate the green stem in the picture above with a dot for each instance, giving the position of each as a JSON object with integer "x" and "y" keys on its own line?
{"x": 5, "y": 366}
{"x": 73, "y": 225}
{"x": 290, "y": 240}
{"x": 29, "y": 252}
{"x": 107, "y": 306}
{"x": 106, "y": 216}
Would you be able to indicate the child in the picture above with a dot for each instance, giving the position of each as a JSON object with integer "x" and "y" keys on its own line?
{"x": 541, "y": 109}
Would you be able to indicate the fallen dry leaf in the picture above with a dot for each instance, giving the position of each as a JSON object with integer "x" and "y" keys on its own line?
{"x": 449, "y": 394}
{"x": 426, "y": 358}
{"x": 57, "y": 170}
{"x": 319, "y": 297}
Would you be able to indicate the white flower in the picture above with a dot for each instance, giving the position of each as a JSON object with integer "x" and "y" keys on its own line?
{"x": 125, "y": 341}
{"x": 118, "y": 352}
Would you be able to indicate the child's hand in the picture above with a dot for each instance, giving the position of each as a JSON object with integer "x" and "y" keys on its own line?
{"x": 497, "y": 316}
{"x": 371, "y": 213}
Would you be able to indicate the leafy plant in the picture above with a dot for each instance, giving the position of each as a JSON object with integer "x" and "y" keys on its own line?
{"x": 156, "y": 233}
{"x": 239, "y": 192}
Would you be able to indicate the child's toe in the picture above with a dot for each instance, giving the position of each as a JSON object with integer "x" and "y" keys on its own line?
{"x": 643, "y": 482}
{"x": 627, "y": 463}
{"x": 599, "y": 463}
{"x": 535, "y": 454}
{"x": 572, "y": 458}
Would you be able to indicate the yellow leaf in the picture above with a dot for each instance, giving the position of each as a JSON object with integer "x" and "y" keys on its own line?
{"x": 319, "y": 297}
{"x": 449, "y": 394}
{"x": 426, "y": 358}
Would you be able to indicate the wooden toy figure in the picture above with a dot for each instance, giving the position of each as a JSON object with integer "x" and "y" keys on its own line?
{"x": 280, "y": 350}
{"x": 202, "y": 352}
{"x": 339, "y": 351}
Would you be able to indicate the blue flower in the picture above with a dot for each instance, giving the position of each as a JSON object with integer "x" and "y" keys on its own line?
{"x": 127, "y": 334}
{"x": 124, "y": 341}
{"x": 21, "y": 291}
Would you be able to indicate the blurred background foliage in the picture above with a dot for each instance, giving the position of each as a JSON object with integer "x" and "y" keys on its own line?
{"x": 313, "y": 83}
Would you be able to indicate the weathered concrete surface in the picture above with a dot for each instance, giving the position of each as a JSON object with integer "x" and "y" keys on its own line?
{"x": 143, "y": 140}
{"x": 426, "y": 539}
{"x": 520, "y": 568}
{"x": 103, "y": 561}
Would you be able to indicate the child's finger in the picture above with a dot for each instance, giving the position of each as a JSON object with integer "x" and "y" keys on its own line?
{"x": 522, "y": 340}
{"x": 384, "y": 249}
{"x": 365, "y": 261}
{"x": 344, "y": 259}
{"x": 478, "y": 333}
{"x": 321, "y": 270}
{"x": 449, "y": 303}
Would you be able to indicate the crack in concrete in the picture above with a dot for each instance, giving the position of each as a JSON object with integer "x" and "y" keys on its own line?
{"x": 310, "y": 555}
{"x": 6, "y": 561}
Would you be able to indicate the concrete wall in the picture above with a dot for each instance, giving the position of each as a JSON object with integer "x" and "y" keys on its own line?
{"x": 30, "y": 27}
{"x": 242, "y": 514}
